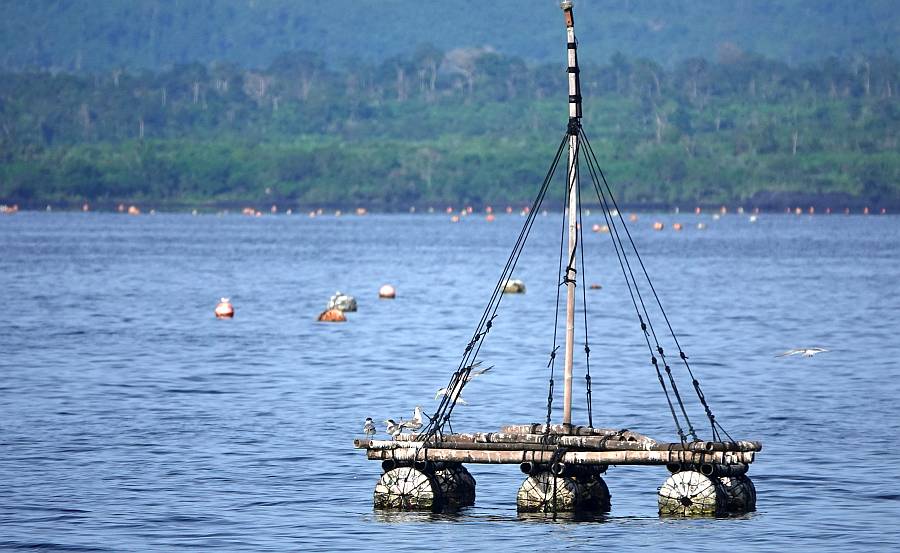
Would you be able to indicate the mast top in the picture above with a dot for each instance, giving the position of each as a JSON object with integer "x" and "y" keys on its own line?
{"x": 566, "y": 6}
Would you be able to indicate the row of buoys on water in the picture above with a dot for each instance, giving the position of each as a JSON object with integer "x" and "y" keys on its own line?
{"x": 338, "y": 304}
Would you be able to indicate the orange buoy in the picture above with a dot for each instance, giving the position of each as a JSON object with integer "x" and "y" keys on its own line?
{"x": 224, "y": 310}
{"x": 595, "y": 286}
{"x": 85, "y": 207}
{"x": 489, "y": 218}
{"x": 274, "y": 209}
{"x": 595, "y": 228}
{"x": 812, "y": 210}
{"x": 454, "y": 219}
{"x": 332, "y": 316}
{"x": 387, "y": 292}
{"x": 697, "y": 210}
{"x": 657, "y": 226}
{"x": 633, "y": 217}
{"x": 361, "y": 211}
{"x": 133, "y": 210}
{"x": 677, "y": 226}
{"x": 798, "y": 211}
{"x": 509, "y": 209}
{"x": 865, "y": 211}
{"x": 489, "y": 209}
{"x": 449, "y": 210}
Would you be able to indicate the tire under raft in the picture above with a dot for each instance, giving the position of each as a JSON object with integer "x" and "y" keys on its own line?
{"x": 561, "y": 489}
{"x": 689, "y": 493}
{"x": 424, "y": 487}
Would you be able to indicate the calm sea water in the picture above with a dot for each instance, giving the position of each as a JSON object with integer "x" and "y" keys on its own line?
{"x": 131, "y": 419}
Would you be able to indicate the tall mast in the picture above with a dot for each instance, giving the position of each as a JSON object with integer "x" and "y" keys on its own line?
{"x": 572, "y": 186}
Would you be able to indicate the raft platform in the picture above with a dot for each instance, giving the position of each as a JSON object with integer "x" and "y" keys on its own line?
{"x": 563, "y": 466}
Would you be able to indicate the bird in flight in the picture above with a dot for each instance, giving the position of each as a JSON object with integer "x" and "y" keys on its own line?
{"x": 457, "y": 389}
{"x": 369, "y": 427}
{"x": 805, "y": 352}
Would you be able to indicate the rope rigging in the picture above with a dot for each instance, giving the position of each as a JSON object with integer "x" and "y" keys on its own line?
{"x": 567, "y": 274}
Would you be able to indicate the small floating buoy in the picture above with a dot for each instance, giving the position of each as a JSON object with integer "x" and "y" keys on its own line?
{"x": 489, "y": 209}
{"x": 509, "y": 209}
{"x": 812, "y": 210}
{"x": 514, "y": 286}
{"x": 753, "y": 218}
{"x": 454, "y": 219}
{"x": 827, "y": 211}
{"x": 657, "y": 226}
{"x": 489, "y": 218}
{"x": 723, "y": 210}
{"x": 332, "y": 316}
{"x": 449, "y": 210}
{"x": 85, "y": 207}
{"x": 342, "y": 302}
{"x": 289, "y": 211}
{"x": 274, "y": 209}
{"x": 697, "y": 210}
{"x": 224, "y": 309}
{"x": 846, "y": 211}
{"x": 701, "y": 226}
{"x": 798, "y": 211}
{"x": 121, "y": 208}
{"x": 865, "y": 211}
{"x": 596, "y": 286}
{"x": 884, "y": 211}
{"x": 361, "y": 211}
{"x": 600, "y": 228}
{"x": 740, "y": 210}
{"x": 133, "y": 210}
{"x": 677, "y": 226}
{"x": 633, "y": 217}
{"x": 387, "y": 292}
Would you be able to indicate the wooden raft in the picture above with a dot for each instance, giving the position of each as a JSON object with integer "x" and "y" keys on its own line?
{"x": 567, "y": 444}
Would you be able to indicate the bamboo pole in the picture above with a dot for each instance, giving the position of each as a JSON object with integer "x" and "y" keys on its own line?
{"x": 539, "y": 442}
{"x": 413, "y": 454}
{"x": 572, "y": 187}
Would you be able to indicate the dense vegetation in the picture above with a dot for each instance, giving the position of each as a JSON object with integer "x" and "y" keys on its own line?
{"x": 465, "y": 125}
{"x": 72, "y": 35}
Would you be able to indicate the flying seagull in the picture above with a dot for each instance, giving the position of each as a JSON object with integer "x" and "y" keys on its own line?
{"x": 369, "y": 427}
{"x": 457, "y": 389}
{"x": 805, "y": 352}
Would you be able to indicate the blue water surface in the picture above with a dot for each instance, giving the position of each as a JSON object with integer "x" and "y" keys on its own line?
{"x": 132, "y": 419}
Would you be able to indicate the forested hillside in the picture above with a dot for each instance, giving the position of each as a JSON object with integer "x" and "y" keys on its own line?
{"x": 466, "y": 125}
{"x": 73, "y": 35}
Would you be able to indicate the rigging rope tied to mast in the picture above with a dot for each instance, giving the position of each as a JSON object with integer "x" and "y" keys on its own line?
{"x": 461, "y": 376}
{"x": 595, "y": 170}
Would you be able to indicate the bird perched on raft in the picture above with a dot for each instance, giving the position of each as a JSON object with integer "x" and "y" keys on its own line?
{"x": 805, "y": 352}
{"x": 414, "y": 423}
{"x": 369, "y": 427}
{"x": 393, "y": 428}
{"x": 457, "y": 389}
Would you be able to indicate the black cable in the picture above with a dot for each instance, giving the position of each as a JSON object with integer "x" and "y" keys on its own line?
{"x": 623, "y": 264}
{"x": 461, "y": 375}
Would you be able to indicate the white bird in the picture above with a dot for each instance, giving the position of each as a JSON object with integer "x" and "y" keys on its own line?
{"x": 457, "y": 389}
{"x": 806, "y": 352}
{"x": 414, "y": 423}
{"x": 369, "y": 427}
{"x": 393, "y": 428}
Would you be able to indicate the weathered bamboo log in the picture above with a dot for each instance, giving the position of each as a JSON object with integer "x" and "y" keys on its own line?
{"x": 689, "y": 493}
{"x": 565, "y": 429}
{"x": 412, "y": 454}
{"x": 605, "y": 444}
{"x": 612, "y": 441}
{"x": 741, "y": 445}
{"x": 390, "y": 444}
